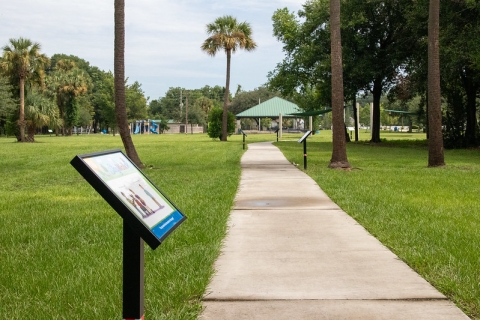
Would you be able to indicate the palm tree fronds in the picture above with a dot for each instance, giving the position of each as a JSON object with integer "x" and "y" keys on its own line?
{"x": 227, "y": 34}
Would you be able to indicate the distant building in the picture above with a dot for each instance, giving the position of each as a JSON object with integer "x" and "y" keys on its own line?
{"x": 176, "y": 127}
{"x": 152, "y": 127}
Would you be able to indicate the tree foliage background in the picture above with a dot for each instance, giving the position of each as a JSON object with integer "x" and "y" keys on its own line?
{"x": 384, "y": 55}
{"x": 385, "y": 52}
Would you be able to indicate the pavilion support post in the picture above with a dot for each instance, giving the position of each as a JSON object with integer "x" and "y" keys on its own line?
{"x": 280, "y": 126}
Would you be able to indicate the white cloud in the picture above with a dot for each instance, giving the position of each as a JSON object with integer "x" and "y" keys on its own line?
{"x": 163, "y": 37}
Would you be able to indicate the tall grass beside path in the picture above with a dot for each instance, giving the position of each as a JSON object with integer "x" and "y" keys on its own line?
{"x": 429, "y": 217}
{"x": 61, "y": 244}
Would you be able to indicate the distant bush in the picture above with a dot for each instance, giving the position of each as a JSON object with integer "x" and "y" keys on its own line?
{"x": 215, "y": 123}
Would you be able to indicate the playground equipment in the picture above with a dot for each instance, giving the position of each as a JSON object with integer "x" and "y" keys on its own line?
{"x": 150, "y": 126}
{"x": 144, "y": 126}
{"x": 153, "y": 127}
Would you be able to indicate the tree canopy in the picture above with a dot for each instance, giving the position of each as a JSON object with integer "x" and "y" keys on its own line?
{"x": 385, "y": 51}
{"x": 83, "y": 95}
{"x": 21, "y": 62}
{"x": 246, "y": 99}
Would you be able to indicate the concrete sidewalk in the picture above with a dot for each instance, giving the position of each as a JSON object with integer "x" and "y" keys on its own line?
{"x": 291, "y": 253}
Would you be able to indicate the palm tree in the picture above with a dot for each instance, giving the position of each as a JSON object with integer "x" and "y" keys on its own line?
{"x": 40, "y": 110}
{"x": 226, "y": 33}
{"x": 435, "y": 137}
{"x": 21, "y": 61}
{"x": 68, "y": 83}
{"x": 119, "y": 71}
{"x": 339, "y": 153}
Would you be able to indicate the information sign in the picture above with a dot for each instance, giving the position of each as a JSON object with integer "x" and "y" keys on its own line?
{"x": 135, "y": 198}
{"x": 304, "y": 140}
{"x": 304, "y": 136}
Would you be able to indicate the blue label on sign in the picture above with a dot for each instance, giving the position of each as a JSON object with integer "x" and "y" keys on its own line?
{"x": 168, "y": 223}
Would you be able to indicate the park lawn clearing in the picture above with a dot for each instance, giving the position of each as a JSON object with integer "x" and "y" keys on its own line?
{"x": 61, "y": 244}
{"x": 429, "y": 217}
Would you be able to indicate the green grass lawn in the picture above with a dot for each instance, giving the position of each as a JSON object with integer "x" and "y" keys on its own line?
{"x": 61, "y": 244}
{"x": 430, "y": 217}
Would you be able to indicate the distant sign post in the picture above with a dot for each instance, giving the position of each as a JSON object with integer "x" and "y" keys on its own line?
{"x": 148, "y": 215}
{"x": 304, "y": 140}
{"x": 244, "y": 135}
{"x": 276, "y": 131}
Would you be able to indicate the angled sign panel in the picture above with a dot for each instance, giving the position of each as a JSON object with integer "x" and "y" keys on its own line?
{"x": 145, "y": 208}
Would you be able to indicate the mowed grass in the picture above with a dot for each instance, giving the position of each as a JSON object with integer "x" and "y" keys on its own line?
{"x": 61, "y": 244}
{"x": 429, "y": 217}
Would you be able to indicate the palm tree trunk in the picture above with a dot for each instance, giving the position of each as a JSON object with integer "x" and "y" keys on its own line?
{"x": 225, "y": 99}
{"x": 435, "y": 140}
{"x": 31, "y": 133}
{"x": 119, "y": 71}
{"x": 21, "y": 117}
{"x": 339, "y": 153}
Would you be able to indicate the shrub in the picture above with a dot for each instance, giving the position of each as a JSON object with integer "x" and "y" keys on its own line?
{"x": 215, "y": 123}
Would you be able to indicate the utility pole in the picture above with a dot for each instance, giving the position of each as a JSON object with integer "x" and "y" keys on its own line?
{"x": 181, "y": 103}
{"x": 186, "y": 112}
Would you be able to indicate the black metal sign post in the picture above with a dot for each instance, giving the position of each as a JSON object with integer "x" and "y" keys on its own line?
{"x": 133, "y": 279}
{"x": 148, "y": 215}
{"x": 244, "y": 135}
{"x": 305, "y": 154}
{"x": 276, "y": 131}
{"x": 304, "y": 140}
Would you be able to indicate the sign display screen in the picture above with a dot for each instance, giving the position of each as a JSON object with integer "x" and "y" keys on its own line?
{"x": 304, "y": 136}
{"x": 126, "y": 188}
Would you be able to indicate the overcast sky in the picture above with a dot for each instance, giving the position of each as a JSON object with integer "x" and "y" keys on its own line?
{"x": 163, "y": 38}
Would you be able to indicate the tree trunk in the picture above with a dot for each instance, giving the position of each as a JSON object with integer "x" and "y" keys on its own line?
{"x": 377, "y": 94}
{"x": 225, "y": 100}
{"x": 435, "y": 141}
{"x": 471, "y": 132}
{"x": 21, "y": 117}
{"x": 347, "y": 135}
{"x": 31, "y": 133}
{"x": 119, "y": 71}
{"x": 339, "y": 153}
{"x": 355, "y": 121}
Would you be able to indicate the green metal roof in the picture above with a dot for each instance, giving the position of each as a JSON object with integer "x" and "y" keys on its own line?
{"x": 271, "y": 109}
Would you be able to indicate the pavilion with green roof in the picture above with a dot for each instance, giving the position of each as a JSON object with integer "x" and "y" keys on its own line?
{"x": 271, "y": 109}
